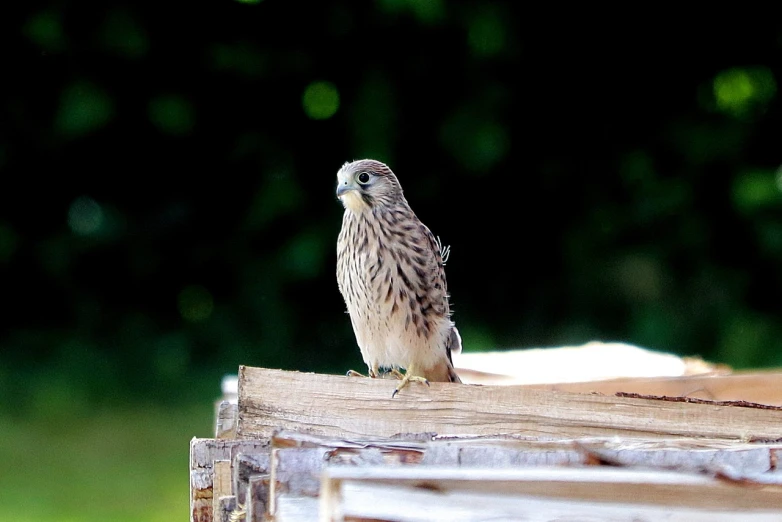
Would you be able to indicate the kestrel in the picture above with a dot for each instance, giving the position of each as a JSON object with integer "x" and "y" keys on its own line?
{"x": 390, "y": 271}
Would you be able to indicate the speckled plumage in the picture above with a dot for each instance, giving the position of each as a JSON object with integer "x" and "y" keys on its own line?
{"x": 391, "y": 274}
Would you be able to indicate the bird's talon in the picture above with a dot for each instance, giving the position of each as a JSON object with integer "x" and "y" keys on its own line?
{"x": 406, "y": 379}
{"x": 354, "y": 373}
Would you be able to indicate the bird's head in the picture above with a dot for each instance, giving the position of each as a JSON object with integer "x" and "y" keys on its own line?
{"x": 365, "y": 184}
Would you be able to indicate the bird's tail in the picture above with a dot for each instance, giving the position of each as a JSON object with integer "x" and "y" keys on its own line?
{"x": 454, "y": 346}
{"x": 452, "y": 374}
{"x": 443, "y": 371}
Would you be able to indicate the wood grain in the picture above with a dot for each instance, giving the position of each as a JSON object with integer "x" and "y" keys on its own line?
{"x": 353, "y": 500}
{"x": 763, "y": 387}
{"x": 353, "y": 406}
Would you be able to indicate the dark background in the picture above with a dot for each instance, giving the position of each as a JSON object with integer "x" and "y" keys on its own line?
{"x": 167, "y": 173}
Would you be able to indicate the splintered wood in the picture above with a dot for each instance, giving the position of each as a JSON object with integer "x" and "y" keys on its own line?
{"x": 303, "y": 446}
{"x": 350, "y": 406}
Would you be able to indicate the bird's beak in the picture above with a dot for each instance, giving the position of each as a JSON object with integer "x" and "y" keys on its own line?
{"x": 345, "y": 184}
{"x": 343, "y": 188}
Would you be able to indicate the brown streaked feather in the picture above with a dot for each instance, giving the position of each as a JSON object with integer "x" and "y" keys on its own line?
{"x": 402, "y": 318}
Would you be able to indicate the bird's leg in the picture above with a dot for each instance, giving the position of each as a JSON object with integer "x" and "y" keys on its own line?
{"x": 373, "y": 372}
{"x": 410, "y": 375}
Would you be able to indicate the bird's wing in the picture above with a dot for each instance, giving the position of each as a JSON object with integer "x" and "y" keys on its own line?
{"x": 435, "y": 271}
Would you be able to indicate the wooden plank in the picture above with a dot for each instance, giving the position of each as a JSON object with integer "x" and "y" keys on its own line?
{"x": 296, "y": 471}
{"x": 225, "y": 509}
{"x": 203, "y": 454}
{"x": 221, "y": 484}
{"x": 296, "y": 509}
{"x": 225, "y": 424}
{"x": 298, "y": 459}
{"x": 201, "y": 495}
{"x": 351, "y": 406}
{"x": 247, "y": 465}
{"x": 360, "y": 501}
{"x": 670, "y": 492}
{"x": 763, "y": 387}
{"x": 258, "y": 493}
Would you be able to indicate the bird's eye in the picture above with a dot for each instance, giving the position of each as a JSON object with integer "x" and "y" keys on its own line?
{"x": 363, "y": 178}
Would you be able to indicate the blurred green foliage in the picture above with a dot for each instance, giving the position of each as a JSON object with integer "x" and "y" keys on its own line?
{"x": 127, "y": 464}
{"x": 167, "y": 206}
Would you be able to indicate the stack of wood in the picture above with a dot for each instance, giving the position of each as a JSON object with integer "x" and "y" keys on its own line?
{"x": 700, "y": 445}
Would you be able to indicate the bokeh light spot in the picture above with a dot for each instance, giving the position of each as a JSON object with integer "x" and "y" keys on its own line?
{"x": 486, "y": 34}
{"x": 738, "y": 90}
{"x": 240, "y": 58}
{"x": 85, "y": 216}
{"x": 171, "y": 114}
{"x": 478, "y": 145}
{"x": 304, "y": 256}
{"x": 491, "y": 145}
{"x": 122, "y": 34}
{"x": 755, "y": 189}
{"x": 84, "y": 107}
{"x": 45, "y": 30}
{"x": 426, "y": 11}
{"x": 195, "y": 303}
{"x": 320, "y": 100}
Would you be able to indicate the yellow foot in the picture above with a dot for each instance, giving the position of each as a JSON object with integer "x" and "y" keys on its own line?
{"x": 354, "y": 373}
{"x": 406, "y": 378}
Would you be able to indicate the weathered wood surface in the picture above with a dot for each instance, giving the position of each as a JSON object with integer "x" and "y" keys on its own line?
{"x": 763, "y": 387}
{"x": 707, "y": 455}
{"x": 271, "y": 479}
{"x": 296, "y": 509}
{"x": 225, "y": 425}
{"x": 346, "y": 493}
{"x": 221, "y": 483}
{"x": 247, "y": 465}
{"x": 203, "y": 455}
{"x": 294, "y": 468}
{"x": 353, "y": 406}
{"x": 336, "y": 423}
{"x": 258, "y": 492}
{"x": 384, "y": 502}
{"x": 225, "y": 509}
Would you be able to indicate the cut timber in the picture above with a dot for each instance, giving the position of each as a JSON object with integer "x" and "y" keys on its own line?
{"x": 225, "y": 508}
{"x": 298, "y": 460}
{"x": 763, "y": 387}
{"x": 417, "y": 494}
{"x": 225, "y": 426}
{"x": 296, "y": 509}
{"x": 221, "y": 483}
{"x": 203, "y": 455}
{"x": 755, "y": 461}
{"x": 347, "y": 494}
{"x": 353, "y": 406}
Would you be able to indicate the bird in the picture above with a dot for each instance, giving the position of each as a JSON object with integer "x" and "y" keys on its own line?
{"x": 391, "y": 274}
